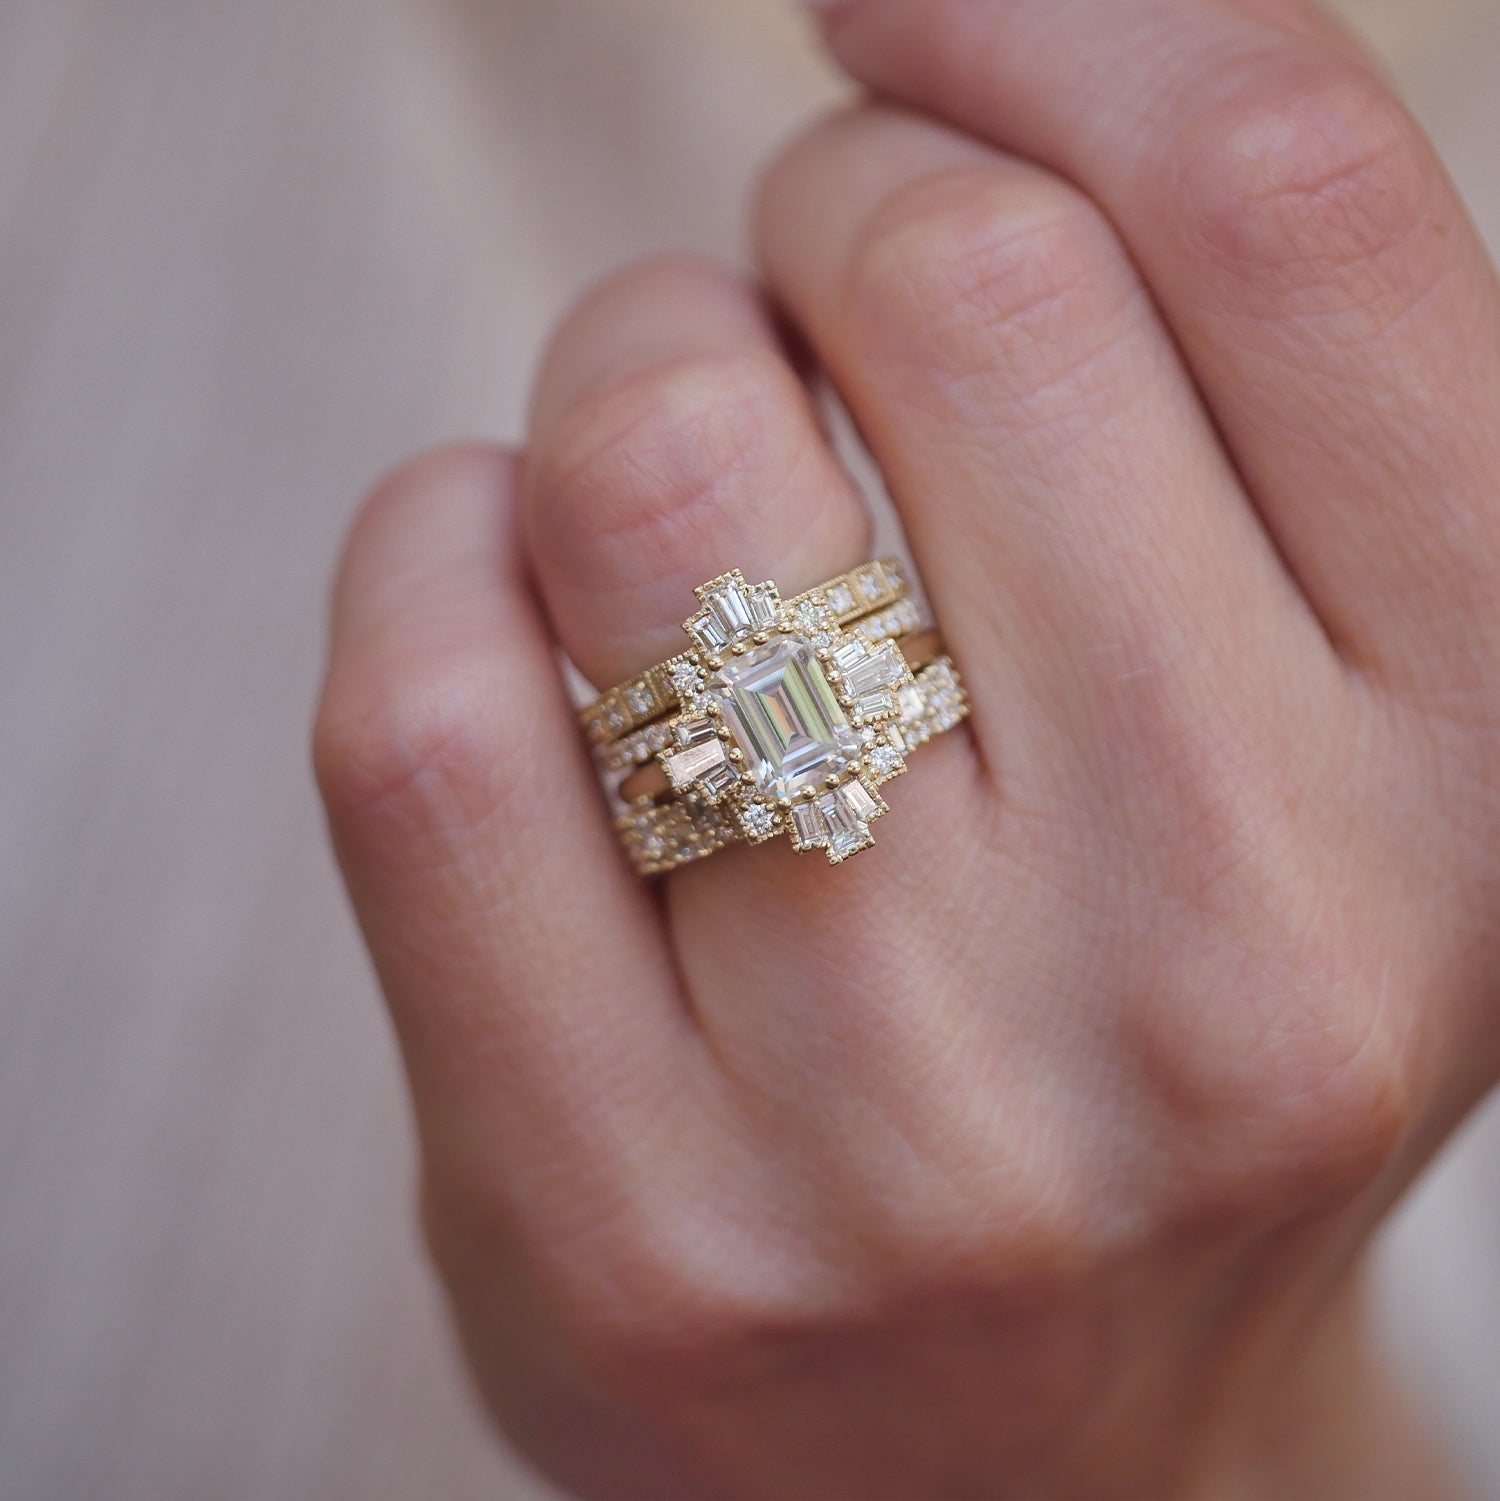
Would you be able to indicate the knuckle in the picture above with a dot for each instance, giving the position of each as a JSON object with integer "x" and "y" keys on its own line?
{"x": 412, "y": 750}
{"x": 1011, "y": 1244}
{"x": 659, "y": 456}
{"x": 1301, "y": 1099}
{"x": 654, "y": 1329}
{"x": 962, "y": 1206}
{"x": 671, "y": 1334}
{"x": 1268, "y": 1043}
{"x": 413, "y": 711}
{"x": 1327, "y": 1097}
{"x": 669, "y": 1339}
{"x": 1326, "y": 1121}
{"x": 433, "y": 472}
{"x": 1309, "y": 170}
{"x": 424, "y": 484}
{"x": 959, "y": 276}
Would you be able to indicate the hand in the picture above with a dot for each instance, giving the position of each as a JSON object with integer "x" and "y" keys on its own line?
{"x": 1034, "y": 1152}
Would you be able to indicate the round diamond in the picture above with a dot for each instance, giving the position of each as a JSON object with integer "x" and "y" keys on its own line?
{"x": 884, "y": 760}
{"x": 686, "y": 679}
{"x": 759, "y": 820}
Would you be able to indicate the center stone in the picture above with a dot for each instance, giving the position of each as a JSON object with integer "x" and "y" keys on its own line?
{"x": 784, "y": 715}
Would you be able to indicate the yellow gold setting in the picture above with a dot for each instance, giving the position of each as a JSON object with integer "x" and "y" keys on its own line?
{"x": 784, "y": 717}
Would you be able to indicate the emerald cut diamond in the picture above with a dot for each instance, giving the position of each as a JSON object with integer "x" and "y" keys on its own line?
{"x": 784, "y": 716}
{"x": 784, "y": 713}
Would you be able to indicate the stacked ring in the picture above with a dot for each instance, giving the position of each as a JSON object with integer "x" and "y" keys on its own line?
{"x": 783, "y": 716}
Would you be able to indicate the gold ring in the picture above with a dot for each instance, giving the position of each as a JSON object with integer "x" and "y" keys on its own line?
{"x": 786, "y": 718}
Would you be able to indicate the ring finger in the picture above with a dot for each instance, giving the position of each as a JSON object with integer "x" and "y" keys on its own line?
{"x": 671, "y": 441}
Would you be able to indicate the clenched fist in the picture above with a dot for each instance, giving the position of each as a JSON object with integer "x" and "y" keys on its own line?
{"x": 1033, "y": 1152}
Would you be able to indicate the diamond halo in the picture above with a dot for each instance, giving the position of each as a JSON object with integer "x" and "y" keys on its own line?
{"x": 790, "y": 727}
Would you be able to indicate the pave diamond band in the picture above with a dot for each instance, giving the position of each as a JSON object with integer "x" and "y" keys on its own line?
{"x": 783, "y": 717}
{"x": 873, "y": 590}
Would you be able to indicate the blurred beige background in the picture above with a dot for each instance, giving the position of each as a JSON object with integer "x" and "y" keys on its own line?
{"x": 250, "y": 253}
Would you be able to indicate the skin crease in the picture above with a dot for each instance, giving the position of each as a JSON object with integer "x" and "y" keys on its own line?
{"x": 1035, "y": 1152}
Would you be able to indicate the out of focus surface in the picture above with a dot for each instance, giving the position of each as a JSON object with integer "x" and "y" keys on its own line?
{"x": 249, "y": 255}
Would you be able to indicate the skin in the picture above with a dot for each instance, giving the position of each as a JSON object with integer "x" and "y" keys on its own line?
{"x": 1034, "y": 1153}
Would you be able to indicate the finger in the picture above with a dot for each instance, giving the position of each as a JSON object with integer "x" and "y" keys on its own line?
{"x": 1311, "y": 255}
{"x": 670, "y": 442}
{"x": 1064, "y": 490}
{"x": 526, "y": 973}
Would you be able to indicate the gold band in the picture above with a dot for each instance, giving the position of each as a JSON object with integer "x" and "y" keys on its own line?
{"x": 866, "y": 591}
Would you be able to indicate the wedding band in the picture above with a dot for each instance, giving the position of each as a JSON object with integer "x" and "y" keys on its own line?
{"x": 788, "y": 720}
